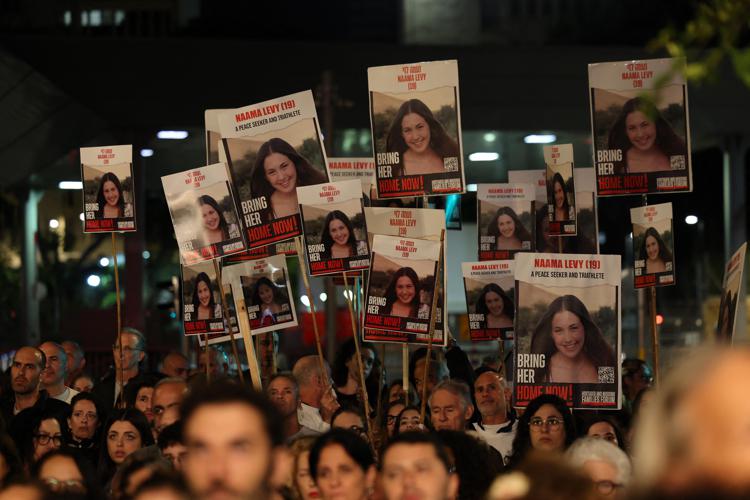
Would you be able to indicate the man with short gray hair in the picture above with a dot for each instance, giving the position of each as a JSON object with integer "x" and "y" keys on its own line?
{"x": 54, "y": 374}
{"x": 450, "y": 406}
{"x": 607, "y": 465}
{"x": 317, "y": 398}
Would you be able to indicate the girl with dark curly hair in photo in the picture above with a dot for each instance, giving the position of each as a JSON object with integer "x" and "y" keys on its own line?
{"x": 507, "y": 229}
{"x": 270, "y": 299}
{"x": 110, "y": 200}
{"x": 204, "y": 306}
{"x": 402, "y": 295}
{"x": 654, "y": 252}
{"x": 338, "y": 237}
{"x": 496, "y": 306}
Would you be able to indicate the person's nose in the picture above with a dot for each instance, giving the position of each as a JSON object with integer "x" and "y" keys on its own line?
{"x": 217, "y": 468}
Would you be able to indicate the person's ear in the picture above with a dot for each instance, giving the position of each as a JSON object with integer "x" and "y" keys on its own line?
{"x": 508, "y": 394}
{"x": 83, "y": 364}
{"x": 141, "y": 355}
{"x": 469, "y": 411}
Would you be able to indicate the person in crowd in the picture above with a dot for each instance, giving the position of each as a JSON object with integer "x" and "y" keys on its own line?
{"x": 509, "y": 232}
{"x": 84, "y": 423}
{"x": 125, "y": 431}
{"x": 560, "y": 197}
{"x": 278, "y": 170}
{"x": 606, "y": 464}
{"x": 204, "y": 303}
{"x": 402, "y": 295}
{"x": 283, "y": 392}
{"x": 390, "y": 417}
{"x": 351, "y": 419}
{"x": 420, "y": 140}
{"x": 215, "y": 226}
{"x": 318, "y": 399}
{"x": 438, "y": 371}
{"x": 127, "y": 365}
{"x": 607, "y": 428}
{"x": 572, "y": 343}
{"x": 83, "y": 383}
{"x": 338, "y": 238}
{"x": 346, "y": 374}
{"x": 496, "y": 306}
{"x": 451, "y": 407}
{"x": 42, "y": 433}
{"x": 303, "y": 483}
{"x": 410, "y": 420}
{"x": 12, "y": 468}
{"x": 270, "y": 359}
{"x": 139, "y": 395}
{"x": 68, "y": 475}
{"x": 475, "y": 462}
{"x": 271, "y": 300}
{"x": 76, "y": 361}
{"x": 218, "y": 362}
{"x": 168, "y": 394}
{"x": 233, "y": 436}
{"x": 646, "y": 139}
{"x": 417, "y": 465}
{"x": 654, "y": 252}
{"x": 135, "y": 469}
{"x": 497, "y": 425}
{"x": 172, "y": 445}
{"x": 175, "y": 364}
{"x": 110, "y": 199}
{"x": 636, "y": 376}
{"x": 395, "y": 391}
{"x": 162, "y": 486}
{"x": 55, "y": 372}
{"x": 546, "y": 426}
{"x": 343, "y": 465}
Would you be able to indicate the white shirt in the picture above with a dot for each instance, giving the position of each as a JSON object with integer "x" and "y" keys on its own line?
{"x": 309, "y": 416}
{"x": 499, "y": 436}
{"x": 66, "y": 395}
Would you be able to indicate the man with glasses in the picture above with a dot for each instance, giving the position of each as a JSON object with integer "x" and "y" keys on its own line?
{"x": 606, "y": 464}
{"x": 126, "y": 366}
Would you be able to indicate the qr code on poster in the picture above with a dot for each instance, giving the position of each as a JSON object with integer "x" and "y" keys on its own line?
{"x": 450, "y": 164}
{"x": 677, "y": 162}
{"x": 606, "y": 374}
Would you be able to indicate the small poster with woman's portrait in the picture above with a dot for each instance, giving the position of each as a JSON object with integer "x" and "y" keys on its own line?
{"x": 401, "y": 267}
{"x": 730, "y": 293}
{"x": 561, "y": 192}
{"x": 640, "y": 127}
{"x": 204, "y": 216}
{"x": 419, "y": 223}
{"x": 334, "y": 225}
{"x": 271, "y": 149}
{"x": 567, "y": 329}
{"x": 416, "y": 129}
{"x": 653, "y": 245}
{"x": 201, "y": 300}
{"x": 108, "y": 191}
{"x": 505, "y": 220}
{"x": 490, "y": 291}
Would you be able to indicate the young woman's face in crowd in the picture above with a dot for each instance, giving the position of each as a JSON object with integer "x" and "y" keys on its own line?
{"x": 603, "y": 430}
{"x": 304, "y": 481}
{"x": 559, "y": 195}
{"x": 368, "y": 358}
{"x": 550, "y": 435}
{"x": 494, "y": 303}
{"x": 405, "y": 290}
{"x": 210, "y": 217}
{"x": 641, "y": 131}
{"x": 339, "y": 476}
{"x": 392, "y": 418}
{"x": 48, "y": 438}
{"x": 280, "y": 173}
{"x": 416, "y": 132}
{"x": 266, "y": 294}
{"x": 83, "y": 420}
{"x": 83, "y": 384}
{"x": 396, "y": 392}
{"x": 652, "y": 248}
{"x": 409, "y": 421}
{"x": 204, "y": 293}
{"x": 111, "y": 193}
{"x": 568, "y": 333}
{"x": 122, "y": 440}
{"x": 143, "y": 402}
{"x": 506, "y": 226}
{"x": 338, "y": 231}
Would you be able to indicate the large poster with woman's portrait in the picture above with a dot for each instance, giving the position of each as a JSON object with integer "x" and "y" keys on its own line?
{"x": 640, "y": 127}
{"x": 334, "y": 225}
{"x": 201, "y": 300}
{"x": 505, "y": 220}
{"x": 653, "y": 245}
{"x": 272, "y": 148}
{"x": 567, "y": 329}
{"x": 401, "y": 268}
{"x": 730, "y": 294}
{"x": 419, "y": 223}
{"x": 204, "y": 216}
{"x": 561, "y": 191}
{"x": 490, "y": 291}
{"x": 416, "y": 129}
{"x": 108, "y": 191}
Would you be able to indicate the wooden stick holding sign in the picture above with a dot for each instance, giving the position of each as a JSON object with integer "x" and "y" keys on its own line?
{"x": 431, "y": 332}
{"x": 225, "y": 309}
{"x": 243, "y": 320}
{"x": 120, "y": 379}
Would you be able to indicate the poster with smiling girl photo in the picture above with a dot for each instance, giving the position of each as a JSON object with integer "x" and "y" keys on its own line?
{"x": 201, "y": 300}
{"x": 640, "y": 126}
{"x": 271, "y": 148}
{"x": 505, "y": 220}
{"x": 490, "y": 290}
{"x": 416, "y": 129}
{"x": 108, "y": 202}
{"x": 561, "y": 191}
{"x": 653, "y": 245}
{"x": 567, "y": 329}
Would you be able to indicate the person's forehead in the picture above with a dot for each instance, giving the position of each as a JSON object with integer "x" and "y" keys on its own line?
{"x": 84, "y": 404}
{"x": 129, "y": 338}
{"x": 487, "y": 378}
{"x": 221, "y": 423}
{"x": 281, "y": 383}
{"x": 445, "y": 396}
{"x": 405, "y": 453}
{"x": 395, "y": 410}
{"x": 49, "y": 349}
{"x": 168, "y": 390}
{"x": 49, "y": 424}
{"x": 547, "y": 410}
{"x": 26, "y": 355}
{"x": 122, "y": 426}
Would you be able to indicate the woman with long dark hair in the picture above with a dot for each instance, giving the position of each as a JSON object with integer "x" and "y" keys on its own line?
{"x": 572, "y": 343}
{"x": 345, "y": 374}
{"x": 645, "y": 138}
{"x": 277, "y": 172}
{"x": 204, "y": 306}
{"x": 654, "y": 252}
{"x": 338, "y": 237}
{"x": 343, "y": 466}
{"x": 402, "y": 295}
{"x": 110, "y": 200}
{"x": 496, "y": 306}
{"x": 215, "y": 226}
{"x": 546, "y": 426}
{"x": 508, "y": 231}
{"x": 420, "y": 140}
{"x": 126, "y": 430}
{"x": 560, "y": 197}
{"x": 270, "y": 300}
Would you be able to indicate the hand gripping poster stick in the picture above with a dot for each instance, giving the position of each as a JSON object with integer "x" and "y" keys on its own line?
{"x": 120, "y": 382}
{"x": 225, "y": 309}
{"x": 431, "y": 331}
{"x": 321, "y": 359}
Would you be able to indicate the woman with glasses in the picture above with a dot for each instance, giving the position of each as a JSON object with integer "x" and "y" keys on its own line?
{"x": 126, "y": 430}
{"x": 390, "y": 418}
{"x": 350, "y": 419}
{"x": 68, "y": 475}
{"x": 42, "y": 433}
{"x": 546, "y": 426}
{"x": 606, "y": 465}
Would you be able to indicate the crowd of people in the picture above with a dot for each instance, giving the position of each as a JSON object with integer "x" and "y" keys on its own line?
{"x": 197, "y": 432}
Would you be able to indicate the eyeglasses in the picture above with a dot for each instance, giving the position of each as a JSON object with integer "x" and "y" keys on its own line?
{"x": 391, "y": 419}
{"x": 359, "y": 430}
{"x": 44, "y": 439}
{"x": 69, "y": 486}
{"x": 552, "y": 422}
{"x": 607, "y": 487}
